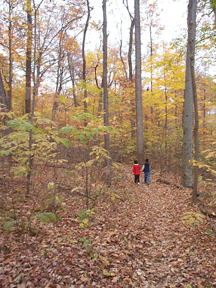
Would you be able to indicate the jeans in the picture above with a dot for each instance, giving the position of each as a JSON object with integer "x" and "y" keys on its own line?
{"x": 147, "y": 177}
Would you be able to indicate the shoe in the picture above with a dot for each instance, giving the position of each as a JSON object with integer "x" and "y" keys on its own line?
{"x": 138, "y": 183}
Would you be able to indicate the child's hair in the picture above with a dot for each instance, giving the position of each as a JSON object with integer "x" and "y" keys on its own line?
{"x": 146, "y": 160}
{"x": 135, "y": 162}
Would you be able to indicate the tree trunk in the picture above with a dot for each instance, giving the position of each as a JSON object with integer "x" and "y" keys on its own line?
{"x": 192, "y": 28}
{"x": 130, "y": 67}
{"x": 58, "y": 81}
{"x": 10, "y": 60}
{"x": 151, "y": 53}
{"x": 166, "y": 121}
{"x": 187, "y": 151}
{"x": 213, "y": 6}
{"x": 133, "y": 109}
{"x": 84, "y": 60}
{"x": 28, "y": 59}
{"x": 138, "y": 85}
{"x": 2, "y": 92}
{"x": 71, "y": 70}
{"x": 105, "y": 90}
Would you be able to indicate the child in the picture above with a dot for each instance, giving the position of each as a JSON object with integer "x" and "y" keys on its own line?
{"x": 136, "y": 171}
{"x": 146, "y": 170}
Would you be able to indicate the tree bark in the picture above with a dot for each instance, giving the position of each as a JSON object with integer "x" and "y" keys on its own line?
{"x": 138, "y": 85}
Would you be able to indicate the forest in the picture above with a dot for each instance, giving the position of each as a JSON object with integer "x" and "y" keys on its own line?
{"x": 86, "y": 88}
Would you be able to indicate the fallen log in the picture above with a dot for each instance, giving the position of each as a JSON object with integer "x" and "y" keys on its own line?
{"x": 168, "y": 183}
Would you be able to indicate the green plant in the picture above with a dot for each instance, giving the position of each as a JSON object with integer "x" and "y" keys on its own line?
{"x": 193, "y": 218}
{"x": 24, "y": 225}
{"x": 88, "y": 246}
{"x": 210, "y": 233}
{"x": 84, "y": 217}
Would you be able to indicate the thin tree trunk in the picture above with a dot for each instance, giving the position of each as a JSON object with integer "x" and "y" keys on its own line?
{"x": 71, "y": 70}
{"x": 138, "y": 85}
{"x": 122, "y": 60}
{"x": 84, "y": 60}
{"x": 132, "y": 103}
{"x": 213, "y": 6}
{"x": 166, "y": 119}
{"x": 130, "y": 67}
{"x": 192, "y": 27}
{"x": 105, "y": 89}
{"x": 58, "y": 81}
{"x": 28, "y": 88}
{"x": 28, "y": 59}
{"x": 2, "y": 92}
{"x": 151, "y": 54}
{"x": 10, "y": 60}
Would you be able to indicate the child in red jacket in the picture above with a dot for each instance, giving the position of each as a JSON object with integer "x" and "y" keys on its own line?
{"x": 136, "y": 171}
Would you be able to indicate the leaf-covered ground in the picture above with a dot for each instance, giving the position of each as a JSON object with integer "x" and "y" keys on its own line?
{"x": 135, "y": 236}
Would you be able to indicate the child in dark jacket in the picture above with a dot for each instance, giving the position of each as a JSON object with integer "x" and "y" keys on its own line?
{"x": 147, "y": 173}
{"x": 136, "y": 171}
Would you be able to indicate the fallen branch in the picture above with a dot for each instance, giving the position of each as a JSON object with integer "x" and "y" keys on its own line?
{"x": 168, "y": 183}
{"x": 75, "y": 191}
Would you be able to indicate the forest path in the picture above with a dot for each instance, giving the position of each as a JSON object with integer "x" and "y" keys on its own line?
{"x": 174, "y": 254}
{"x": 134, "y": 237}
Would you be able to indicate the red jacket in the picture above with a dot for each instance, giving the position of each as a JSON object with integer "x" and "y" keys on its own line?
{"x": 136, "y": 169}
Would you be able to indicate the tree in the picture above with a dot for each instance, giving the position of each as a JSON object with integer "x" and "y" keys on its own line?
{"x": 105, "y": 90}
{"x": 213, "y": 6}
{"x": 138, "y": 85}
{"x": 130, "y": 67}
{"x": 84, "y": 60}
{"x": 28, "y": 57}
{"x": 2, "y": 92}
{"x": 10, "y": 57}
{"x": 187, "y": 151}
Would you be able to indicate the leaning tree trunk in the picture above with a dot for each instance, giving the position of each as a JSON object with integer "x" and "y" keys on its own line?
{"x": 105, "y": 90}
{"x": 138, "y": 85}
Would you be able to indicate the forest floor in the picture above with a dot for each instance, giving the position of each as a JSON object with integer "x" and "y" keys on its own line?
{"x": 135, "y": 236}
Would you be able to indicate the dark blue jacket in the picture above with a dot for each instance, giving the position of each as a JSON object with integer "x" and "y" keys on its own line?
{"x": 146, "y": 167}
